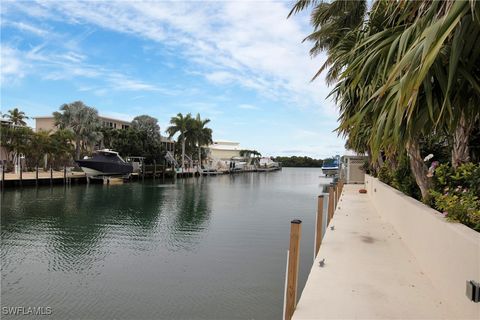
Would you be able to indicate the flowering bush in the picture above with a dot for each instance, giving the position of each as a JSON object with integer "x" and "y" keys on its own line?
{"x": 457, "y": 193}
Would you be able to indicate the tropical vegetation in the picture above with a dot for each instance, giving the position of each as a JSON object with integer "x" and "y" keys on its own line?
{"x": 80, "y": 131}
{"x": 406, "y": 80}
{"x": 192, "y": 134}
{"x": 295, "y": 161}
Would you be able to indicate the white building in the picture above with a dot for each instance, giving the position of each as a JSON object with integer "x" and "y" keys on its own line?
{"x": 224, "y": 150}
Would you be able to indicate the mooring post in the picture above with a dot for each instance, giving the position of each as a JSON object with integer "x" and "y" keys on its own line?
{"x": 36, "y": 175}
{"x": 64, "y": 174}
{"x": 3, "y": 175}
{"x": 331, "y": 202}
{"x": 154, "y": 168}
{"x": 319, "y": 225}
{"x": 337, "y": 193}
{"x": 21, "y": 173}
{"x": 51, "y": 175}
{"x": 292, "y": 273}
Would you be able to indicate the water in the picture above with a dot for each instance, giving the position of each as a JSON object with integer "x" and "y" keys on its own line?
{"x": 208, "y": 248}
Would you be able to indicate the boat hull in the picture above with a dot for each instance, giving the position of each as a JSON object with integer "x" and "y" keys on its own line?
{"x": 93, "y": 167}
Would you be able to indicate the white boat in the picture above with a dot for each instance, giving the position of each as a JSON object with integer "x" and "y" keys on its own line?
{"x": 331, "y": 167}
{"x": 237, "y": 164}
{"x": 267, "y": 164}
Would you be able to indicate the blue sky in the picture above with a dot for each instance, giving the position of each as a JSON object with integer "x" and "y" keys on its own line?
{"x": 239, "y": 63}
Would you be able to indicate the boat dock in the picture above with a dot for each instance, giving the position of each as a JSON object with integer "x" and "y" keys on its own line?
{"x": 375, "y": 264}
{"x": 67, "y": 176}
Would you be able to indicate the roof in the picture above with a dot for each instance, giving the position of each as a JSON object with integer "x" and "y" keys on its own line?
{"x": 100, "y": 116}
{"x": 225, "y": 142}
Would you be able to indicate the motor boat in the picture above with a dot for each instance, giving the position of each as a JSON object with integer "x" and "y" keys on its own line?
{"x": 331, "y": 167}
{"x": 237, "y": 164}
{"x": 105, "y": 162}
{"x": 267, "y": 164}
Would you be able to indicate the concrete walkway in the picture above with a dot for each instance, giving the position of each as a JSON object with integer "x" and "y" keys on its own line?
{"x": 369, "y": 273}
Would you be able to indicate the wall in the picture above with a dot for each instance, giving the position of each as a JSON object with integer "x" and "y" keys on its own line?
{"x": 449, "y": 253}
{"x": 44, "y": 124}
{"x": 224, "y": 154}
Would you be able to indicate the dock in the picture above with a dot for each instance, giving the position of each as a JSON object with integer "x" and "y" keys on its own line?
{"x": 370, "y": 267}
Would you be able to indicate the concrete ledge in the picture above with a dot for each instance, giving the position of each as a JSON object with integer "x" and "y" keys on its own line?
{"x": 448, "y": 253}
{"x": 369, "y": 271}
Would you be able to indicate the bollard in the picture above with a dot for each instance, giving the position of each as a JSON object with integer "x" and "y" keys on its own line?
{"x": 292, "y": 271}
{"x": 319, "y": 225}
{"x": 331, "y": 203}
{"x": 3, "y": 176}
{"x": 21, "y": 173}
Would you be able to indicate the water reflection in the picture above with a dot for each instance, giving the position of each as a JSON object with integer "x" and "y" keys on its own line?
{"x": 210, "y": 247}
{"x": 77, "y": 226}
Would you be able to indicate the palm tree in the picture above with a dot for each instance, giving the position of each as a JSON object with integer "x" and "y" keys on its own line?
{"x": 83, "y": 121}
{"x": 17, "y": 117}
{"x": 395, "y": 73}
{"x": 202, "y": 135}
{"x": 180, "y": 124}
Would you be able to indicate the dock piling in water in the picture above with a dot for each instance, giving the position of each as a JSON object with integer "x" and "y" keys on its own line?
{"x": 319, "y": 225}
{"x": 331, "y": 203}
{"x": 292, "y": 270}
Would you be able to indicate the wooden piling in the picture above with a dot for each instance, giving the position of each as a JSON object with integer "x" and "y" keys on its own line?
{"x": 64, "y": 175}
{"x": 331, "y": 203}
{"x": 293, "y": 262}
{"x": 3, "y": 176}
{"x": 154, "y": 169}
{"x": 319, "y": 225}
{"x": 337, "y": 193}
{"x": 21, "y": 173}
{"x": 36, "y": 175}
{"x": 51, "y": 175}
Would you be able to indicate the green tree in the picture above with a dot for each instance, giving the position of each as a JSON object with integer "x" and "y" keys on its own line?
{"x": 395, "y": 72}
{"x": 202, "y": 135}
{"x": 148, "y": 124}
{"x": 180, "y": 124}
{"x": 83, "y": 121}
{"x": 17, "y": 117}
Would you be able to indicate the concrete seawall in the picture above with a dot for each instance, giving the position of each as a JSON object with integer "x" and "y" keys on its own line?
{"x": 376, "y": 266}
{"x": 449, "y": 253}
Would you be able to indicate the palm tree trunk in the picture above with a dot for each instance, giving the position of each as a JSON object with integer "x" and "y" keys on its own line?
{"x": 183, "y": 153}
{"x": 77, "y": 148}
{"x": 199, "y": 157}
{"x": 461, "y": 135}
{"x": 418, "y": 167}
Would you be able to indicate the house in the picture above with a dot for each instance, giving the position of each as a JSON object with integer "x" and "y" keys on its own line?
{"x": 48, "y": 123}
{"x": 224, "y": 150}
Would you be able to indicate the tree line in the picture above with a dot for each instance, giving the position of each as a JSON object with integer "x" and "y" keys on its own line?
{"x": 295, "y": 161}
{"x": 405, "y": 77}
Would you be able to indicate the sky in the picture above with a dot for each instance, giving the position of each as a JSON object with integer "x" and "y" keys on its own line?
{"x": 242, "y": 64}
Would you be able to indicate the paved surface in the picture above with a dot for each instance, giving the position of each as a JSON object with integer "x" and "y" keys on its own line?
{"x": 369, "y": 273}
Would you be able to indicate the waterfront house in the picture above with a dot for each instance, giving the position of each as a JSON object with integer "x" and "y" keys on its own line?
{"x": 224, "y": 150}
{"x": 47, "y": 123}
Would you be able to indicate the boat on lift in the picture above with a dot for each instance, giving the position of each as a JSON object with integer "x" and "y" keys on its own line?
{"x": 266, "y": 164}
{"x": 105, "y": 162}
{"x": 331, "y": 167}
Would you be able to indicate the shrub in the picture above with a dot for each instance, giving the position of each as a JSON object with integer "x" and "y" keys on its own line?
{"x": 457, "y": 193}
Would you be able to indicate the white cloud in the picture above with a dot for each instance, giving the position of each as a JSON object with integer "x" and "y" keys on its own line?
{"x": 220, "y": 77}
{"x": 248, "y": 107}
{"x": 11, "y": 66}
{"x": 249, "y": 43}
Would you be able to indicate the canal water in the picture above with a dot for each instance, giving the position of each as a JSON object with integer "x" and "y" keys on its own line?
{"x": 199, "y": 248}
